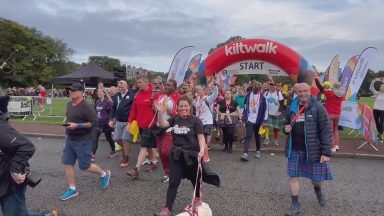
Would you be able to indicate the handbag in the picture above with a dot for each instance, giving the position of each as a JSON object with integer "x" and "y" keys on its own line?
{"x": 203, "y": 209}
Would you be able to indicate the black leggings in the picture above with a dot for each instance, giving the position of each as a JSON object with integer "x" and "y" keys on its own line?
{"x": 379, "y": 119}
{"x": 228, "y": 136}
{"x": 108, "y": 136}
{"x": 178, "y": 170}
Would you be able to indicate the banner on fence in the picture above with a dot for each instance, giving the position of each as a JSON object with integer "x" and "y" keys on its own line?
{"x": 350, "y": 115}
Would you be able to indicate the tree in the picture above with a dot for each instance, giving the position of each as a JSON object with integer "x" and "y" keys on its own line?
{"x": 39, "y": 57}
{"x": 105, "y": 62}
{"x": 230, "y": 40}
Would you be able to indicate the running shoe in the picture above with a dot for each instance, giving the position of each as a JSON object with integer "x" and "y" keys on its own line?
{"x": 105, "y": 180}
{"x": 69, "y": 194}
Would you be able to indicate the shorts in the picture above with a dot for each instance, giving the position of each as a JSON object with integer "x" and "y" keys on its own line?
{"x": 121, "y": 132}
{"x": 80, "y": 150}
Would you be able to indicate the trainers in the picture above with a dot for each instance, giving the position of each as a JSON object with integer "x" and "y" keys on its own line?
{"x": 266, "y": 142}
{"x": 164, "y": 212}
{"x": 276, "y": 143}
{"x": 258, "y": 154}
{"x": 134, "y": 173}
{"x": 124, "y": 162}
{"x": 146, "y": 162}
{"x": 337, "y": 147}
{"x": 69, "y": 194}
{"x": 293, "y": 210}
{"x": 53, "y": 213}
{"x": 105, "y": 180}
{"x": 333, "y": 149}
{"x": 164, "y": 179}
{"x": 244, "y": 157}
{"x": 112, "y": 154}
{"x": 151, "y": 168}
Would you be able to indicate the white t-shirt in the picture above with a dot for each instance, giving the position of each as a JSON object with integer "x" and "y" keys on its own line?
{"x": 254, "y": 104}
{"x": 273, "y": 99}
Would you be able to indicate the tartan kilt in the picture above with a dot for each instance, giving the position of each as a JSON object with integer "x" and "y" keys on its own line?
{"x": 299, "y": 166}
{"x": 274, "y": 121}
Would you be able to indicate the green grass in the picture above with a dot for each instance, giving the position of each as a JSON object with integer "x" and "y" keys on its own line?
{"x": 53, "y": 114}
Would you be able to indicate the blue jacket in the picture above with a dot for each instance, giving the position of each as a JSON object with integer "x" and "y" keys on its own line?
{"x": 317, "y": 127}
{"x": 260, "y": 113}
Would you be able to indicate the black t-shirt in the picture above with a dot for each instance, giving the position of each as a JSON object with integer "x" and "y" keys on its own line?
{"x": 298, "y": 133}
{"x": 184, "y": 132}
{"x": 231, "y": 107}
{"x": 81, "y": 113}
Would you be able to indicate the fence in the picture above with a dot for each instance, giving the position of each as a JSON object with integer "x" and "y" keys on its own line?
{"x": 34, "y": 107}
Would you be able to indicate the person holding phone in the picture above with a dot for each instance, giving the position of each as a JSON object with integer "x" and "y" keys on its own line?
{"x": 308, "y": 146}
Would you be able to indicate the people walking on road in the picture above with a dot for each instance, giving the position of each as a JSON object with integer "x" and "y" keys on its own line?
{"x": 308, "y": 146}
{"x": 229, "y": 116}
{"x": 103, "y": 110}
{"x": 122, "y": 103}
{"x": 378, "y": 106}
{"x": 164, "y": 140}
{"x": 275, "y": 101}
{"x": 81, "y": 118}
{"x": 188, "y": 146}
{"x": 203, "y": 105}
{"x": 142, "y": 111}
{"x": 333, "y": 99}
{"x": 255, "y": 113}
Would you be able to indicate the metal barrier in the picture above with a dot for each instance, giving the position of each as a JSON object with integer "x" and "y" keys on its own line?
{"x": 35, "y": 107}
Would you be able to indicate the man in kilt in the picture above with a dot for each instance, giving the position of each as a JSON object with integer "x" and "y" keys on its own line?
{"x": 308, "y": 146}
{"x": 275, "y": 106}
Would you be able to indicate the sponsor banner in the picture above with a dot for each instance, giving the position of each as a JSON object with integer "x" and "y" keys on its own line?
{"x": 359, "y": 73}
{"x": 347, "y": 73}
{"x": 193, "y": 66}
{"x": 179, "y": 64}
{"x": 369, "y": 126}
{"x": 350, "y": 115}
{"x": 331, "y": 74}
{"x": 19, "y": 107}
{"x": 254, "y": 67}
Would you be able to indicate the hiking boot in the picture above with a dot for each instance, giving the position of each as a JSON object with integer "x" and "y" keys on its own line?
{"x": 164, "y": 179}
{"x": 266, "y": 142}
{"x": 293, "y": 210}
{"x": 69, "y": 194}
{"x": 164, "y": 212}
{"x": 151, "y": 168}
{"x": 244, "y": 157}
{"x": 134, "y": 173}
{"x": 258, "y": 154}
{"x": 320, "y": 197}
{"x": 105, "y": 180}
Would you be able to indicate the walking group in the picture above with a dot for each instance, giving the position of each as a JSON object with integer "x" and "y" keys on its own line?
{"x": 176, "y": 125}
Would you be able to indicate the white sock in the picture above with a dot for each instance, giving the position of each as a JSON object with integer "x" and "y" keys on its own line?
{"x": 72, "y": 187}
{"x": 103, "y": 174}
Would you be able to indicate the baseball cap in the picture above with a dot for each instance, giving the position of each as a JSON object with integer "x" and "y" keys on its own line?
{"x": 76, "y": 87}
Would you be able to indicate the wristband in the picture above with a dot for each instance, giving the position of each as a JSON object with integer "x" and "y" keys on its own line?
{"x": 80, "y": 125}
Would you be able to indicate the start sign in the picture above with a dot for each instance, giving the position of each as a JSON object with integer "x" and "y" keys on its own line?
{"x": 254, "y": 67}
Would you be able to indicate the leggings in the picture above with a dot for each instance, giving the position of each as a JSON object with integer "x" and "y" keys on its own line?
{"x": 108, "y": 136}
{"x": 178, "y": 170}
{"x": 228, "y": 136}
{"x": 379, "y": 119}
{"x": 251, "y": 129}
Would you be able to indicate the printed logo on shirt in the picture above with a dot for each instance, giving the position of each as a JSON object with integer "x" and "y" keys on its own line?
{"x": 300, "y": 119}
{"x": 180, "y": 130}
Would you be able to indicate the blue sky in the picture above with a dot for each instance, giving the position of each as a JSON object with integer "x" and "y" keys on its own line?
{"x": 148, "y": 33}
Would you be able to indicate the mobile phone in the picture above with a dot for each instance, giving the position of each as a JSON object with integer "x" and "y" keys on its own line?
{"x": 65, "y": 124}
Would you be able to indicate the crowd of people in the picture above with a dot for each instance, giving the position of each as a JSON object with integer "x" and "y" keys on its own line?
{"x": 175, "y": 125}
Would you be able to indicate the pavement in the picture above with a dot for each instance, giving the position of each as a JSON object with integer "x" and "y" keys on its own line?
{"x": 348, "y": 147}
{"x": 257, "y": 187}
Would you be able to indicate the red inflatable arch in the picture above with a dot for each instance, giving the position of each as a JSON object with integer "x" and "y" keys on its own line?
{"x": 260, "y": 56}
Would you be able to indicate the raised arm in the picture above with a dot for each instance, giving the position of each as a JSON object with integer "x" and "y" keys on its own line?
{"x": 372, "y": 87}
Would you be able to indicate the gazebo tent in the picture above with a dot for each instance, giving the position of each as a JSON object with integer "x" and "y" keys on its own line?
{"x": 90, "y": 75}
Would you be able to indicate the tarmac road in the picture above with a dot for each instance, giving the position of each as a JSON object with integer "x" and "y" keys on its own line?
{"x": 258, "y": 187}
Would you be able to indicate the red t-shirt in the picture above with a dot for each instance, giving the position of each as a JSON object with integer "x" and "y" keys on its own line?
{"x": 333, "y": 103}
